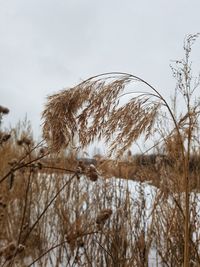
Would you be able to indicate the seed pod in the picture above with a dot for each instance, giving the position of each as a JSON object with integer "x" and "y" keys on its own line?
{"x": 103, "y": 216}
{"x": 39, "y": 165}
{"x": 93, "y": 176}
{"x": 4, "y": 110}
{"x": 92, "y": 173}
{"x": 81, "y": 166}
{"x": 42, "y": 150}
{"x": 5, "y": 137}
{"x": 20, "y": 248}
{"x": 20, "y": 142}
{"x": 27, "y": 141}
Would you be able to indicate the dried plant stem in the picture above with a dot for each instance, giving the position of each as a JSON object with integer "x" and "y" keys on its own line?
{"x": 58, "y": 245}
{"x": 46, "y": 252}
{"x": 47, "y": 206}
{"x": 23, "y": 217}
{"x": 25, "y": 207}
{"x": 107, "y": 252}
{"x": 21, "y": 166}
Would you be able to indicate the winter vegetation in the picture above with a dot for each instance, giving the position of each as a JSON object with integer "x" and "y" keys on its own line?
{"x": 123, "y": 209}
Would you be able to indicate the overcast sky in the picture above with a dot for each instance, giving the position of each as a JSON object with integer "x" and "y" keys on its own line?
{"x": 48, "y": 45}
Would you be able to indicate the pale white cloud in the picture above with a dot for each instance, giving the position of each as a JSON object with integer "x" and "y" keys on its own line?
{"x": 47, "y": 45}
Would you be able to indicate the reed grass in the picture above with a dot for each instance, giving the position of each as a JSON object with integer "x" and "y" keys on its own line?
{"x": 58, "y": 211}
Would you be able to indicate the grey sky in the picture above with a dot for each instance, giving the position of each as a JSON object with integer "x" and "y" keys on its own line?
{"x": 48, "y": 45}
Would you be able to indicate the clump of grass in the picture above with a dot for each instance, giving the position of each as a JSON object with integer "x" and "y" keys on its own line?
{"x": 56, "y": 211}
{"x": 98, "y": 114}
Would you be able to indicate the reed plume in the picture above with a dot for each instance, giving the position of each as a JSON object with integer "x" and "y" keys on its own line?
{"x": 92, "y": 110}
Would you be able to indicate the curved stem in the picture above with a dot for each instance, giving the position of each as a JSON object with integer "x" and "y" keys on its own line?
{"x": 47, "y": 206}
{"x": 184, "y": 157}
{"x": 131, "y": 76}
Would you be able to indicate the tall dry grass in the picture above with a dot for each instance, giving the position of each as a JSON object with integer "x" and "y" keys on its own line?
{"x": 92, "y": 110}
{"x": 56, "y": 211}
{"x": 50, "y": 217}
